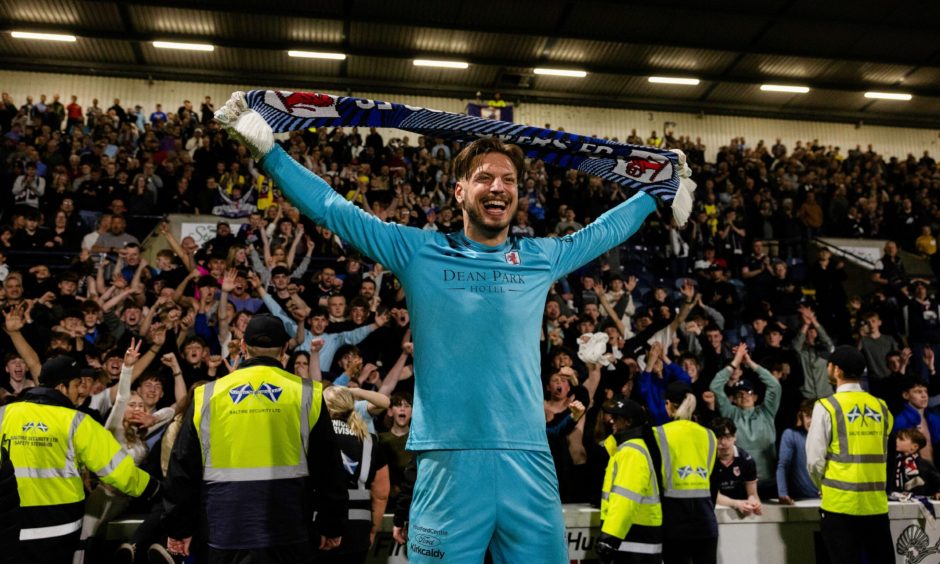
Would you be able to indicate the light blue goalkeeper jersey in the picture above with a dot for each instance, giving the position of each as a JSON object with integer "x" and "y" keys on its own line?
{"x": 476, "y": 310}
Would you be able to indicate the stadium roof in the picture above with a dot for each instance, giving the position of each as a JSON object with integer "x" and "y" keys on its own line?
{"x": 838, "y": 49}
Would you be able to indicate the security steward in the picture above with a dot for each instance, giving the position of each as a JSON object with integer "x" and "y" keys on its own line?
{"x": 689, "y": 455}
{"x": 846, "y": 454}
{"x": 631, "y": 514}
{"x": 9, "y": 509}
{"x": 367, "y": 480}
{"x": 258, "y": 449}
{"x": 49, "y": 444}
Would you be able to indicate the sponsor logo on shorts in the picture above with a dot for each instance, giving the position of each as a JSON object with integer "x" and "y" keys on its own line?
{"x": 436, "y": 532}
{"x": 424, "y": 551}
{"x": 427, "y": 540}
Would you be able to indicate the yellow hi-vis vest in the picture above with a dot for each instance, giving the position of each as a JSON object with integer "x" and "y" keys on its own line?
{"x": 631, "y": 496}
{"x": 856, "y": 460}
{"x": 254, "y": 424}
{"x": 49, "y": 445}
{"x": 689, "y": 452}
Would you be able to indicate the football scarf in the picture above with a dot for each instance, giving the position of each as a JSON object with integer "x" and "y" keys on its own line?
{"x": 657, "y": 172}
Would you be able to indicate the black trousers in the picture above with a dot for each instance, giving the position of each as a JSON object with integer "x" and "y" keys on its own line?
{"x": 331, "y": 557}
{"x": 690, "y": 551}
{"x": 57, "y": 550}
{"x": 290, "y": 554}
{"x": 847, "y": 537}
{"x": 633, "y": 558}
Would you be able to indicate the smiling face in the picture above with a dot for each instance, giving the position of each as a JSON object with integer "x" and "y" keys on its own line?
{"x": 745, "y": 399}
{"x": 488, "y": 197}
{"x": 16, "y": 369}
{"x": 151, "y": 391}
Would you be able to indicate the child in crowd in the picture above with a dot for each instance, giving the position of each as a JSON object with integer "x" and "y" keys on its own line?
{"x": 912, "y": 473}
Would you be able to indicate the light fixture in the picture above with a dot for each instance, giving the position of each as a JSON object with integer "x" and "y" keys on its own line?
{"x": 317, "y": 55}
{"x": 43, "y": 36}
{"x": 784, "y": 88}
{"x": 183, "y": 46}
{"x": 674, "y": 80}
{"x": 441, "y": 64}
{"x": 561, "y": 72}
{"x": 888, "y": 96}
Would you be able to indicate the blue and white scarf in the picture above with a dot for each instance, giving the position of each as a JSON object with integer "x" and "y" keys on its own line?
{"x": 658, "y": 172}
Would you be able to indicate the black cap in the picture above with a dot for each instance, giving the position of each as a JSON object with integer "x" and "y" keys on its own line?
{"x": 626, "y": 408}
{"x": 279, "y": 270}
{"x": 676, "y": 392}
{"x": 59, "y": 370}
{"x": 850, "y": 360}
{"x": 743, "y": 385}
{"x": 265, "y": 331}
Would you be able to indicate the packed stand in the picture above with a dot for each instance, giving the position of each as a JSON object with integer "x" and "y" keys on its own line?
{"x": 705, "y": 304}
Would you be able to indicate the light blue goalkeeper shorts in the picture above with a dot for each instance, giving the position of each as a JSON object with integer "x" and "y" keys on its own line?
{"x": 466, "y": 501}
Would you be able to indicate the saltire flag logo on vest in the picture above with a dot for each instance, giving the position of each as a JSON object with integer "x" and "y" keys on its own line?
{"x": 856, "y": 413}
{"x": 648, "y": 169}
{"x": 265, "y": 390}
{"x": 350, "y": 465}
{"x": 38, "y": 425}
{"x": 686, "y": 471}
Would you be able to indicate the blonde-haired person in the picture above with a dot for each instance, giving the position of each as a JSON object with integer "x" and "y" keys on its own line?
{"x": 688, "y": 450}
{"x": 366, "y": 477}
{"x": 129, "y": 421}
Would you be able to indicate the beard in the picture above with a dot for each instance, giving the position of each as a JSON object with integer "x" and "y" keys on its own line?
{"x": 488, "y": 226}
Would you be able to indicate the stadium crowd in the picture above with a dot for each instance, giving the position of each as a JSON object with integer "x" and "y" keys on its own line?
{"x": 706, "y": 304}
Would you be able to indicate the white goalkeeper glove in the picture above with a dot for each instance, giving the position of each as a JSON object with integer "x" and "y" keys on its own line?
{"x": 246, "y": 125}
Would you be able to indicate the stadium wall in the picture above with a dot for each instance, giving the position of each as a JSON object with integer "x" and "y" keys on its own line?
{"x": 714, "y": 130}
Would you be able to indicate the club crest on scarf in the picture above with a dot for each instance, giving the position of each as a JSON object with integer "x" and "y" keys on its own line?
{"x": 302, "y": 104}
{"x": 644, "y": 167}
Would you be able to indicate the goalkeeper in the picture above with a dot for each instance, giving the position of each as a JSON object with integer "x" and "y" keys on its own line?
{"x": 485, "y": 474}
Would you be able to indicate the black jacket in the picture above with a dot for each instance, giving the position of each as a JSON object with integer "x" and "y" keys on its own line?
{"x": 9, "y": 508}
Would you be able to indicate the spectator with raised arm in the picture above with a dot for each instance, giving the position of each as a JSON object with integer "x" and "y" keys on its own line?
{"x": 753, "y": 419}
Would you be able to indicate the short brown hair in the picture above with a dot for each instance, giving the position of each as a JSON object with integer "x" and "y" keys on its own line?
{"x": 463, "y": 162}
{"x": 914, "y": 435}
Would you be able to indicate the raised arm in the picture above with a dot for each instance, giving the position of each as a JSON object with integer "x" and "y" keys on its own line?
{"x": 612, "y": 314}
{"x": 122, "y": 392}
{"x": 223, "y": 195}
{"x": 593, "y": 381}
{"x": 292, "y": 252}
{"x": 14, "y": 323}
{"x": 266, "y": 247}
{"x": 388, "y": 243}
{"x": 609, "y": 230}
{"x": 377, "y": 402}
{"x": 394, "y": 375}
{"x": 176, "y": 247}
{"x": 689, "y": 295}
{"x": 773, "y": 393}
{"x": 315, "y": 345}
